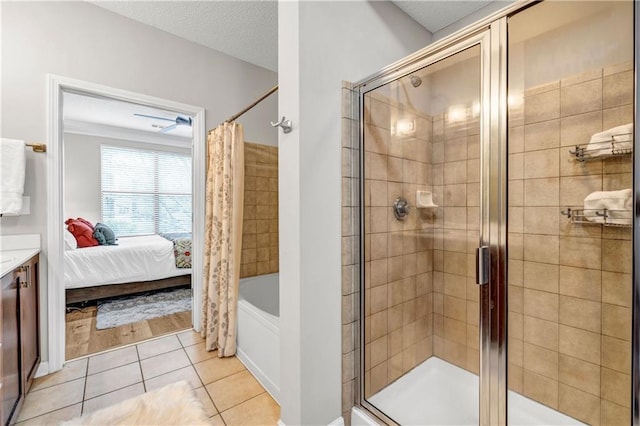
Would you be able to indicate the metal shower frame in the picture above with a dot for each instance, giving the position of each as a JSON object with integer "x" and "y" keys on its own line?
{"x": 491, "y": 34}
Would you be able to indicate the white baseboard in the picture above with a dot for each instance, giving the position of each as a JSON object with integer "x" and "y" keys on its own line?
{"x": 43, "y": 369}
{"x": 337, "y": 422}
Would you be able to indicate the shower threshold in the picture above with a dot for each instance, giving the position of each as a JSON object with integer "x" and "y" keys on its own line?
{"x": 439, "y": 393}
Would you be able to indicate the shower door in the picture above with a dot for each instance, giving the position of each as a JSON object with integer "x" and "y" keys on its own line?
{"x": 497, "y": 229}
{"x": 426, "y": 132}
{"x": 569, "y": 213}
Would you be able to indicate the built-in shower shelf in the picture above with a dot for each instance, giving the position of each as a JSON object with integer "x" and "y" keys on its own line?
{"x": 618, "y": 146}
{"x": 604, "y": 217}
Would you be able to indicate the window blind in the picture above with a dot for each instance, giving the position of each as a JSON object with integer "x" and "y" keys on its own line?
{"x": 145, "y": 191}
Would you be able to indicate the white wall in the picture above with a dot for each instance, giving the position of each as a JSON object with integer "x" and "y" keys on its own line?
{"x": 321, "y": 44}
{"x": 471, "y": 18}
{"x": 82, "y": 172}
{"x": 289, "y": 215}
{"x": 82, "y": 41}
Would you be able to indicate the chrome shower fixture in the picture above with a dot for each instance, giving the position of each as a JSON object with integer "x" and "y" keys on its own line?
{"x": 415, "y": 80}
{"x": 401, "y": 208}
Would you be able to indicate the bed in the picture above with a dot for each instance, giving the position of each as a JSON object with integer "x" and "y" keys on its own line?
{"x": 135, "y": 265}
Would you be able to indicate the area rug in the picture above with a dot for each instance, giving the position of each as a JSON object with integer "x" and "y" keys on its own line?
{"x": 174, "y": 404}
{"x": 127, "y": 310}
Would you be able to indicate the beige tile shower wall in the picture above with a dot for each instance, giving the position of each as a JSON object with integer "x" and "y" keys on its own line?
{"x": 260, "y": 226}
{"x": 456, "y": 180}
{"x": 398, "y": 254}
{"x": 350, "y": 255}
{"x": 569, "y": 284}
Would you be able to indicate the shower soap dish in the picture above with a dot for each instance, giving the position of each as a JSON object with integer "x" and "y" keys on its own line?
{"x": 424, "y": 200}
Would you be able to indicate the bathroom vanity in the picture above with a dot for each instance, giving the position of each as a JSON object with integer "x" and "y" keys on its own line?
{"x": 19, "y": 334}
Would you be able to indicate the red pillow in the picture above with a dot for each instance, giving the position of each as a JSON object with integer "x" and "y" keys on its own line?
{"x": 86, "y": 222}
{"x": 82, "y": 232}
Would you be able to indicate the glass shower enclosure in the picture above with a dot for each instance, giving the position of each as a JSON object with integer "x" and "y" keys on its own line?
{"x": 497, "y": 224}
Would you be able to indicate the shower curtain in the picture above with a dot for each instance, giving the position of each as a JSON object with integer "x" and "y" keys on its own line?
{"x": 223, "y": 237}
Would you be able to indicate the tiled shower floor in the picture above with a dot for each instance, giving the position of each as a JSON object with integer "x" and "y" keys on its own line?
{"x": 439, "y": 393}
{"x": 229, "y": 393}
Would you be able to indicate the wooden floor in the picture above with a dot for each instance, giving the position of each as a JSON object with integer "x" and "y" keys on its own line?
{"x": 82, "y": 337}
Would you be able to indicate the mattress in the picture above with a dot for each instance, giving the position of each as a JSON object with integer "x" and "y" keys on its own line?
{"x": 143, "y": 258}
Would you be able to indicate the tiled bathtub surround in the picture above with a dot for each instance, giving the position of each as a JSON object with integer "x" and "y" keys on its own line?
{"x": 569, "y": 284}
{"x": 260, "y": 227}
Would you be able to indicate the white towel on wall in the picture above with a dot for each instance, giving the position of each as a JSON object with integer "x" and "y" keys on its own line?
{"x": 622, "y": 136}
{"x": 12, "y": 171}
{"x": 618, "y": 205}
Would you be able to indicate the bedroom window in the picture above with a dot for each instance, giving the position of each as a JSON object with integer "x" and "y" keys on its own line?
{"x": 145, "y": 191}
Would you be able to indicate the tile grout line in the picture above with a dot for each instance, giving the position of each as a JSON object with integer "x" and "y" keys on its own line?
{"x": 110, "y": 392}
{"x": 86, "y": 376}
{"x": 84, "y": 391}
{"x": 183, "y": 347}
{"x": 218, "y": 412}
{"x": 192, "y": 365}
{"x": 60, "y": 408}
{"x": 201, "y": 381}
{"x": 128, "y": 345}
{"x": 246, "y": 400}
{"x": 48, "y": 412}
{"x": 144, "y": 384}
{"x": 112, "y": 368}
{"x": 117, "y": 389}
{"x": 215, "y": 381}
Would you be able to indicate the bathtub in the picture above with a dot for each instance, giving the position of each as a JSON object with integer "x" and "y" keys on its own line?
{"x": 259, "y": 329}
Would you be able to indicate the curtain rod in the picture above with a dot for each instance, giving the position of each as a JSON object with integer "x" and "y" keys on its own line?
{"x": 256, "y": 102}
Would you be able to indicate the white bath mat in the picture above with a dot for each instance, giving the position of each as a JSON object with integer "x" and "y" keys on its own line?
{"x": 116, "y": 312}
{"x": 174, "y": 404}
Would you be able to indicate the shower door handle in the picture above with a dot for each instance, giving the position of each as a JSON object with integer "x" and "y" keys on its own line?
{"x": 482, "y": 265}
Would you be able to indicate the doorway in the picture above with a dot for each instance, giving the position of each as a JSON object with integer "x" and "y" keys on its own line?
{"x": 62, "y": 87}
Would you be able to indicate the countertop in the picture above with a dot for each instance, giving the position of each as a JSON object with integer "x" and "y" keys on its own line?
{"x": 17, "y": 249}
{"x": 11, "y": 259}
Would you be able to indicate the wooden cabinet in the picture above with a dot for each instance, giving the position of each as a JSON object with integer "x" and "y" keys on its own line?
{"x": 10, "y": 346}
{"x": 29, "y": 321}
{"x": 19, "y": 336}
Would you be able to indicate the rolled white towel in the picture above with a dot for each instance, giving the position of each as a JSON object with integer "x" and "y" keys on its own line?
{"x": 623, "y": 141}
{"x": 617, "y": 203}
{"x": 607, "y": 135}
{"x": 621, "y": 136}
{"x": 12, "y": 171}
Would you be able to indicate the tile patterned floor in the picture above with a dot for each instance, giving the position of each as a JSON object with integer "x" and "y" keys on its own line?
{"x": 229, "y": 393}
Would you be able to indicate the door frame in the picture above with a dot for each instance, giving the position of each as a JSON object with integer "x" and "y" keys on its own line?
{"x": 635, "y": 322}
{"x": 495, "y": 383}
{"x": 55, "y": 325}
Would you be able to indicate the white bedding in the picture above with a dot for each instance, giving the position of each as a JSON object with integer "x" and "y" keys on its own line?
{"x": 144, "y": 258}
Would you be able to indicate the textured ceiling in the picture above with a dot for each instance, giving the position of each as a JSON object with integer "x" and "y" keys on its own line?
{"x": 118, "y": 114}
{"x": 246, "y": 30}
{"x": 435, "y": 15}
